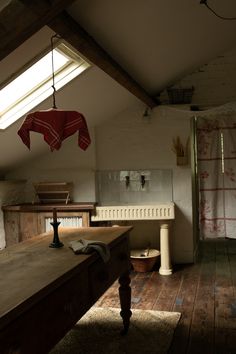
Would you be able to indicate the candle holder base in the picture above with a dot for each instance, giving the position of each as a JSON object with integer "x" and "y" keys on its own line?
{"x": 56, "y": 243}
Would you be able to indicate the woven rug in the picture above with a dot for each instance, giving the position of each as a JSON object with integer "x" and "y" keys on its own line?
{"x": 98, "y": 332}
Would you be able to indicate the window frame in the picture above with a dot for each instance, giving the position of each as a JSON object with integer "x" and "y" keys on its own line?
{"x": 38, "y": 94}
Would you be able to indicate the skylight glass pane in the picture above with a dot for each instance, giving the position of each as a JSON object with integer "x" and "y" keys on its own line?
{"x": 35, "y": 85}
{"x": 44, "y": 91}
{"x": 31, "y": 78}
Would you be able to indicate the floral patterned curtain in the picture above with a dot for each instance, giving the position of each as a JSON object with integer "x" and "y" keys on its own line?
{"x": 216, "y": 156}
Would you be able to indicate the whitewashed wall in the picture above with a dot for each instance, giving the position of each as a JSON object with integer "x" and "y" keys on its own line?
{"x": 131, "y": 142}
{"x": 214, "y": 83}
{"x": 69, "y": 164}
{"x": 11, "y": 192}
{"x": 127, "y": 141}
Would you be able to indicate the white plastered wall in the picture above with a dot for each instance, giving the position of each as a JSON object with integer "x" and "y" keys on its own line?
{"x": 11, "y": 192}
{"x": 69, "y": 164}
{"x": 127, "y": 141}
{"x": 130, "y": 141}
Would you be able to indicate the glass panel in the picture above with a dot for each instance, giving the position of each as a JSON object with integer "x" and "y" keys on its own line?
{"x": 34, "y": 85}
{"x": 30, "y": 79}
{"x": 134, "y": 187}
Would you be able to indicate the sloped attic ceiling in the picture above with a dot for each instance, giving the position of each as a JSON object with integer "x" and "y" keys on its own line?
{"x": 144, "y": 45}
{"x": 157, "y": 42}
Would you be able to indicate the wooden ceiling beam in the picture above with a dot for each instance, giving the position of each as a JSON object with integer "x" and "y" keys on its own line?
{"x": 20, "y": 19}
{"x": 74, "y": 34}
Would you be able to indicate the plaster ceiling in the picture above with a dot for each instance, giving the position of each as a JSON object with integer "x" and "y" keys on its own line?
{"x": 4, "y": 3}
{"x": 156, "y": 42}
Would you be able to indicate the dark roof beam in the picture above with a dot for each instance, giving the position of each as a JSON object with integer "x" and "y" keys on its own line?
{"x": 74, "y": 34}
{"x": 20, "y": 19}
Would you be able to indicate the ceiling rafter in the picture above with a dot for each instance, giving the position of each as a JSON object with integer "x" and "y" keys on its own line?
{"x": 73, "y": 33}
{"x": 20, "y": 19}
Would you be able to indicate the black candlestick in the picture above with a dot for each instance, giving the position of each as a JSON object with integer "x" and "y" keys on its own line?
{"x": 56, "y": 242}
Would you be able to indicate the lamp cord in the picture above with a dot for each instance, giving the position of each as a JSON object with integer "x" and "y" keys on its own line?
{"x": 53, "y": 74}
{"x": 204, "y": 2}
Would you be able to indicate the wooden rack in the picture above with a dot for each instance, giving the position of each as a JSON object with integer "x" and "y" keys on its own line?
{"x": 53, "y": 192}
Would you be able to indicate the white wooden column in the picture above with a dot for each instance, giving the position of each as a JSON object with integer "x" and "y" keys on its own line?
{"x": 166, "y": 268}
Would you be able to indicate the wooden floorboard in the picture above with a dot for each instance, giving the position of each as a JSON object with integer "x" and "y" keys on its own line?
{"x": 204, "y": 293}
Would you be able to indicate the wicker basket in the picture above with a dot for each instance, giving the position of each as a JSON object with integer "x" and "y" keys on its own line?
{"x": 143, "y": 260}
{"x": 180, "y": 95}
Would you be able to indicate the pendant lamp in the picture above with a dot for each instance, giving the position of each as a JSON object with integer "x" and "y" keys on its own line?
{"x": 54, "y": 124}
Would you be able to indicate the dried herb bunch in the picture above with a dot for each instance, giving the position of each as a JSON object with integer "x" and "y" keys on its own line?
{"x": 178, "y": 148}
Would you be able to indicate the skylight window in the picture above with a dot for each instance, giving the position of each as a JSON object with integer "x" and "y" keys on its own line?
{"x": 34, "y": 85}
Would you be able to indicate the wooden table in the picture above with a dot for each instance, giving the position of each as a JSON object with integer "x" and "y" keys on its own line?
{"x": 45, "y": 291}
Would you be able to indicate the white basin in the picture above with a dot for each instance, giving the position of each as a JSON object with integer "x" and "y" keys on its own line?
{"x": 164, "y": 211}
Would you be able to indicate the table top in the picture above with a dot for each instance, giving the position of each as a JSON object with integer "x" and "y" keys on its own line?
{"x": 31, "y": 269}
{"x": 27, "y": 207}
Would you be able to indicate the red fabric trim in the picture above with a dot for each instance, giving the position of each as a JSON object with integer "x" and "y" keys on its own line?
{"x": 214, "y": 219}
{"x": 217, "y": 189}
{"x": 217, "y": 158}
{"x": 55, "y": 125}
{"x": 211, "y": 128}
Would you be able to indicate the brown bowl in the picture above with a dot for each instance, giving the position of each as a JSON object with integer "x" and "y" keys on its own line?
{"x": 144, "y": 260}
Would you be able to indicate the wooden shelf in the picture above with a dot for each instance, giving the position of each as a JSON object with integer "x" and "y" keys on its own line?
{"x": 48, "y": 192}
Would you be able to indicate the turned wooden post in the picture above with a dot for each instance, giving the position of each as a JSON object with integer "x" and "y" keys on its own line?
{"x": 125, "y": 300}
